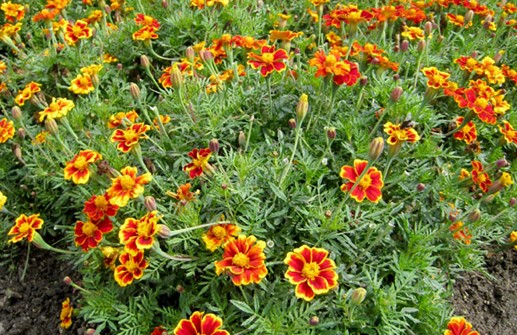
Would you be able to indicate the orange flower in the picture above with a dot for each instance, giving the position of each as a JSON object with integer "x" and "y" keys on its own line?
{"x": 127, "y": 186}
{"x": 200, "y": 324}
{"x": 199, "y": 163}
{"x": 25, "y": 227}
{"x": 66, "y": 314}
{"x": 458, "y": 20}
{"x": 28, "y": 91}
{"x": 369, "y": 185}
{"x": 99, "y": 206}
{"x": 311, "y": 271}
{"x": 132, "y": 267}
{"x": 343, "y": 71}
{"x": 466, "y": 63}
{"x": 45, "y": 14}
{"x": 137, "y": 235}
{"x": 117, "y": 119}
{"x": 89, "y": 234}
{"x": 183, "y": 194}
{"x": 110, "y": 255}
{"x": 12, "y": 11}
{"x": 146, "y": 21}
{"x": 219, "y": 234}
{"x": 78, "y": 169}
{"x": 159, "y": 330}
{"x": 435, "y": 78}
{"x": 397, "y": 134}
{"x": 510, "y": 135}
{"x": 57, "y": 109}
{"x": 107, "y": 58}
{"x": 349, "y": 14}
{"x": 128, "y": 138}
{"x": 467, "y": 133}
{"x": 460, "y": 233}
{"x": 145, "y": 33}
{"x": 79, "y": 30}
{"x": 82, "y": 84}
{"x": 413, "y": 33}
{"x": 283, "y": 35}
{"x": 459, "y": 326}
{"x": 6, "y": 130}
{"x": 480, "y": 177}
{"x": 243, "y": 260}
{"x": 269, "y": 60}
{"x": 248, "y": 42}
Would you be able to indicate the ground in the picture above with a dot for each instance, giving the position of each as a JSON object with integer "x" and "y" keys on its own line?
{"x": 32, "y": 306}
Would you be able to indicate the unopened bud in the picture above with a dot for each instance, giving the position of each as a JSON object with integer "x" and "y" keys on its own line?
{"x": 376, "y": 148}
{"x": 328, "y": 214}
{"x": 314, "y": 320}
{"x": 504, "y": 181}
{"x": 420, "y": 187}
{"x": 501, "y": 163}
{"x": 190, "y": 53}
{"x": 176, "y": 77}
{"x": 396, "y": 77}
{"x": 21, "y": 133}
{"x": 150, "y": 203}
{"x": 17, "y": 113}
{"x": 134, "y": 90}
{"x": 358, "y": 295}
{"x": 180, "y": 289}
{"x": 51, "y": 126}
{"x": 421, "y": 45}
{"x": 241, "y": 140}
{"x": 396, "y": 94}
{"x": 302, "y": 108}
{"x": 375, "y": 61}
{"x": 164, "y": 231}
{"x": 331, "y": 133}
{"x": 363, "y": 81}
{"x": 292, "y": 123}
{"x": 468, "y": 17}
{"x": 498, "y": 56}
{"x": 206, "y": 55}
{"x": 486, "y": 22}
{"x": 512, "y": 202}
{"x": 404, "y": 46}
{"x": 120, "y": 66}
{"x": 428, "y": 28}
{"x": 165, "y": 4}
{"x": 144, "y": 61}
{"x": 474, "y": 216}
{"x": 453, "y": 216}
{"x": 67, "y": 280}
{"x": 224, "y": 186}
{"x": 90, "y": 331}
{"x": 213, "y": 145}
{"x": 474, "y": 54}
{"x": 17, "y": 152}
{"x": 489, "y": 199}
{"x": 440, "y": 39}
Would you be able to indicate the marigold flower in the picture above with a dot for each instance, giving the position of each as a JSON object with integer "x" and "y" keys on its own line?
{"x": 138, "y": 235}
{"x": 82, "y": 84}
{"x": 127, "y": 186}
{"x": 398, "y": 134}
{"x": 509, "y": 134}
{"x": 458, "y": 20}
{"x": 460, "y": 233}
{"x": 28, "y": 91}
{"x": 283, "y": 35}
{"x": 348, "y": 14}
{"x": 40, "y": 138}
{"x": 46, "y": 14}
{"x": 219, "y": 234}
{"x": 200, "y": 4}
{"x": 164, "y": 119}
{"x": 199, "y": 163}
{"x": 3, "y": 200}
{"x": 243, "y": 260}
{"x": 13, "y": 11}
{"x": 127, "y": 139}
{"x": 117, "y": 119}
{"x": 311, "y": 271}
{"x": 89, "y": 234}
{"x": 467, "y": 133}
{"x": 480, "y": 177}
{"x": 145, "y": 33}
{"x": 269, "y": 60}
{"x": 466, "y": 63}
{"x": 369, "y": 186}
{"x": 146, "y": 21}
{"x": 6, "y": 130}
{"x": 132, "y": 267}
{"x": 110, "y": 255}
{"x": 413, "y": 33}
{"x": 79, "y": 30}
{"x": 435, "y": 78}
{"x": 25, "y": 227}
{"x": 200, "y": 324}
{"x": 99, "y": 206}
{"x": 184, "y": 194}
{"x": 66, "y": 314}
{"x": 159, "y": 330}
{"x": 78, "y": 169}
{"x": 56, "y": 109}
{"x": 504, "y": 181}
{"x": 343, "y": 71}
{"x": 513, "y": 238}
{"x": 459, "y": 326}
{"x": 107, "y": 58}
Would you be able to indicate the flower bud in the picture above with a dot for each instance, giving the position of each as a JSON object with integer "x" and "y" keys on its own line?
{"x": 504, "y": 181}
{"x": 134, "y": 90}
{"x": 67, "y": 280}
{"x": 213, "y": 145}
{"x": 358, "y": 296}
{"x": 396, "y": 77}
{"x": 21, "y": 133}
{"x": 498, "y": 56}
{"x": 17, "y": 113}
{"x": 292, "y": 123}
{"x": 489, "y": 199}
{"x": 428, "y": 28}
{"x": 314, "y": 320}
{"x": 396, "y": 94}
{"x": 331, "y": 133}
{"x": 363, "y": 81}
{"x": 474, "y": 216}
{"x": 512, "y": 202}
{"x": 468, "y": 17}
{"x": 224, "y": 187}
{"x": 241, "y": 140}
{"x": 180, "y": 289}
{"x": 501, "y": 163}
{"x": 165, "y": 4}
{"x": 421, "y": 45}
{"x": 17, "y": 152}
{"x": 150, "y": 203}
{"x": 420, "y": 187}
{"x": 453, "y": 216}
{"x": 190, "y": 53}
{"x": 376, "y": 148}
{"x": 404, "y": 46}
{"x": 51, "y": 126}
{"x": 164, "y": 231}
{"x": 119, "y": 66}
{"x": 302, "y": 108}
{"x": 90, "y": 331}
{"x": 206, "y": 55}
{"x": 328, "y": 214}
{"x": 144, "y": 61}
{"x": 486, "y": 22}
{"x": 176, "y": 77}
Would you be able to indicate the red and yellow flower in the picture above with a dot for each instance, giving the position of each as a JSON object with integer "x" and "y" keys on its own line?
{"x": 110, "y": 255}
{"x": 3, "y": 200}
{"x": 458, "y": 20}
{"x": 311, "y": 271}
{"x": 413, "y": 33}
{"x": 79, "y": 30}
{"x": 56, "y": 109}
{"x": 132, "y": 267}
{"x": 269, "y": 60}
{"x": 118, "y": 119}
{"x": 343, "y": 71}
{"x": 13, "y": 11}
{"x": 137, "y": 235}
{"x": 184, "y": 194}
{"x": 200, "y": 324}
{"x": 28, "y": 91}
{"x": 66, "y": 314}
{"x": 219, "y": 234}
{"x": 78, "y": 169}
{"x": 509, "y": 134}
{"x": 128, "y": 138}
{"x": 479, "y": 176}
{"x": 435, "y": 78}
{"x": 127, "y": 186}
{"x": 199, "y": 162}
{"x": 460, "y": 233}
{"x": 6, "y": 130}
{"x": 82, "y": 84}
{"x": 99, "y": 206}
{"x": 25, "y": 227}
{"x": 369, "y": 186}
{"x": 146, "y": 21}
{"x": 146, "y": 34}
{"x": 243, "y": 260}
{"x": 398, "y": 134}
{"x": 459, "y": 326}
{"x": 467, "y": 133}
{"x": 89, "y": 234}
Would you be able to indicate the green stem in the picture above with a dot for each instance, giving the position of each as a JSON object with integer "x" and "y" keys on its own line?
{"x": 296, "y": 140}
{"x": 26, "y": 264}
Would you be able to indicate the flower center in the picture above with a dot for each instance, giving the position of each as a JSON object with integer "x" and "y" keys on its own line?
{"x": 268, "y": 57}
{"x": 80, "y": 163}
{"x": 89, "y": 228}
{"x": 146, "y": 229}
{"x": 24, "y": 227}
{"x": 365, "y": 182}
{"x": 310, "y": 270}
{"x": 219, "y": 232}
{"x": 241, "y": 260}
{"x": 77, "y": 31}
{"x": 131, "y": 266}
{"x": 101, "y": 203}
{"x": 127, "y": 183}
{"x": 330, "y": 61}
